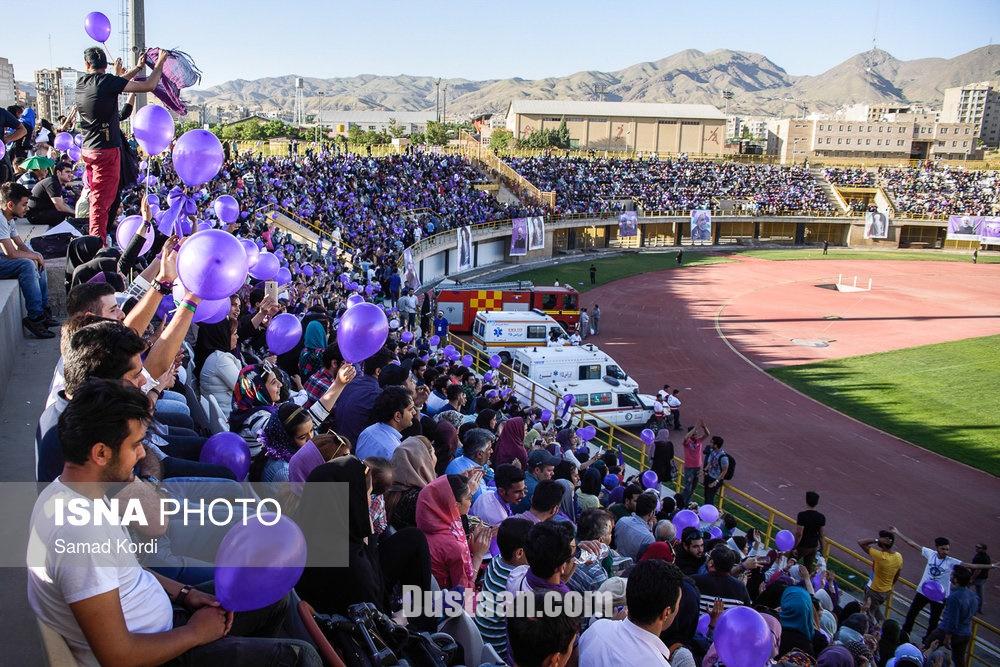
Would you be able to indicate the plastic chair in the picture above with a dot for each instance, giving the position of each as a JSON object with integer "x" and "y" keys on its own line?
{"x": 326, "y": 651}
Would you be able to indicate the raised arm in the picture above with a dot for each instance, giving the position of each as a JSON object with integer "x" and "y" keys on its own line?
{"x": 149, "y": 85}
{"x": 895, "y": 531}
{"x": 865, "y": 544}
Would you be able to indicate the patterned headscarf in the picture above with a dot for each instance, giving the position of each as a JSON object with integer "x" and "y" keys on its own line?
{"x": 250, "y": 394}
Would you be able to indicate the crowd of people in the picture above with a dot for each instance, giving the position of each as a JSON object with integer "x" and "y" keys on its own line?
{"x": 453, "y": 482}
{"x": 595, "y": 185}
{"x": 928, "y": 189}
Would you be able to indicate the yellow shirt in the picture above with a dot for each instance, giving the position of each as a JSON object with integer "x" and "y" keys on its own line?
{"x": 886, "y": 566}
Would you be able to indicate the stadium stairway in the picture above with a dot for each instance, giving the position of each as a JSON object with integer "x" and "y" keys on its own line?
{"x": 832, "y": 195}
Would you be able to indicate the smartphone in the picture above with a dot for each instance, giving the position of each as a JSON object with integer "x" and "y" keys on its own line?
{"x": 271, "y": 289}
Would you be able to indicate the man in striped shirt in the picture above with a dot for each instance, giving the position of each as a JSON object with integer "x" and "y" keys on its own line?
{"x": 719, "y": 583}
{"x": 511, "y": 538}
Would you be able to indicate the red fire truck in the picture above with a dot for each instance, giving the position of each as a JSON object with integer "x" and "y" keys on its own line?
{"x": 460, "y": 303}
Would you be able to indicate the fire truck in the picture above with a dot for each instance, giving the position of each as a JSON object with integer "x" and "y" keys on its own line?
{"x": 460, "y": 303}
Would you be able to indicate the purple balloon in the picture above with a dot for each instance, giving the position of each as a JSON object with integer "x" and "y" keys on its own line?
{"x": 307, "y": 270}
{"x": 685, "y": 519}
{"x": 74, "y": 153}
{"x": 546, "y": 416}
{"x": 229, "y": 450}
{"x": 212, "y": 264}
{"x": 354, "y": 300}
{"x": 284, "y": 276}
{"x": 434, "y": 341}
{"x": 784, "y": 540}
{"x": 207, "y": 311}
{"x": 568, "y": 400}
{"x": 289, "y": 247}
{"x": 202, "y": 226}
{"x": 251, "y": 250}
{"x": 197, "y": 156}
{"x": 708, "y": 513}
{"x": 932, "y": 590}
{"x": 648, "y": 436}
{"x": 505, "y": 392}
{"x": 63, "y": 141}
{"x": 742, "y": 638}
{"x": 279, "y": 253}
{"x": 153, "y": 128}
{"x": 3, "y": 149}
{"x": 362, "y": 332}
{"x": 151, "y": 199}
{"x": 715, "y": 532}
{"x": 449, "y": 349}
{"x": 611, "y": 481}
{"x": 256, "y": 565}
{"x": 650, "y": 480}
{"x": 78, "y": 140}
{"x": 488, "y": 377}
{"x": 495, "y": 361}
{"x": 226, "y": 208}
{"x": 406, "y": 337}
{"x": 703, "y": 622}
{"x": 98, "y": 26}
{"x": 126, "y": 231}
{"x": 617, "y": 494}
{"x": 283, "y": 333}
{"x": 583, "y": 433}
{"x": 266, "y": 267}
{"x": 467, "y": 360}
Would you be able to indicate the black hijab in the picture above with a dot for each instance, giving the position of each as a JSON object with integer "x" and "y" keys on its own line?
{"x": 349, "y": 469}
{"x": 79, "y": 252}
{"x": 211, "y": 338}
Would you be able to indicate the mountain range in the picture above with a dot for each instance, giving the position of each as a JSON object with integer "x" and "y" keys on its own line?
{"x": 759, "y": 86}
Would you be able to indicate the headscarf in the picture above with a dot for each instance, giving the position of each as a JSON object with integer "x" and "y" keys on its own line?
{"x": 658, "y": 551}
{"x": 889, "y": 640}
{"x": 568, "y": 503}
{"x": 565, "y": 438}
{"x": 797, "y": 611}
{"x": 828, "y": 624}
{"x": 437, "y": 513}
{"x": 454, "y": 417}
{"x": 250, "y": 394}
{"x": 80, "y": 251}
{"x": 211, "y": 338}
{"x": 825, "y": 602}
{"x": 510, "y": 445}
{"x": 411, "y": 463}
{"x": 835, "y": 656}
{"x": 277, "y": 442}
{"x": 530, "y": 438}
{"x": 484, "y": 418}
{"x": 859, "y": 650}
{"x": 314, "y": 509}
{"x": 315, "y": 338}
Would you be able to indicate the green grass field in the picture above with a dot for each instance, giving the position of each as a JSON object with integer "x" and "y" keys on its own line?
{"x": 609, "y": 269}
{"x": 847, "y": 253}
{"x": 942, "y": 397}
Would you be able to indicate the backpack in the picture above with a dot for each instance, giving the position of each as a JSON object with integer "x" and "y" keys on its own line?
{"x": 731, "y": 470}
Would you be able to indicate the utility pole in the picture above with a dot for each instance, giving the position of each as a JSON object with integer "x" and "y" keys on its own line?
{"x": 437, "y": 100}
{"x": 444, "y": 104}
{"x": 137, "y": 15}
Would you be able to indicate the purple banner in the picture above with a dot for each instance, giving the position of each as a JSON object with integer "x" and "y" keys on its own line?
{"x": 519, "y": 237}
{"x": 990, "y": 232}
{"x": 628, "y": 223}
{"x": 964, "y": 227}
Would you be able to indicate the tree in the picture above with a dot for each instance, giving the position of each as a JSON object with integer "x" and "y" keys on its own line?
{"x": 501, "y": 139}
{"x": 395, "y": 129}
{"x": 437, "y": 133}
{"x": 562, "y": 135}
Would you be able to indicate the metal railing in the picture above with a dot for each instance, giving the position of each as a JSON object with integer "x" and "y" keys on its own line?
{"x": 473, "y": 150}
{"x": 850, "y": 568}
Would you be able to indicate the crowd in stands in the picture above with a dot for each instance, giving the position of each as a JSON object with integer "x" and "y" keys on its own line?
{"x": 453, "y": 483}
{"x": 929, "y": 189}
{"x": 585, "y": 185}
{"x": 850, "y": 176}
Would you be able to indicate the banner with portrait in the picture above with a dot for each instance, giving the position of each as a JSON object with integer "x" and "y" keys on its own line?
{"x": 965, "y": 227}
{"x": 990, "y": 231}
{"x": 701, "y": 226}
{"x": 628, "y": 223}
{"x": 519, "y": 237}
{"x": 536, "y": 233}
{"x": 465, "y": 259}
{"x": 876, "y": 225}
{"x": 410, "y": 277}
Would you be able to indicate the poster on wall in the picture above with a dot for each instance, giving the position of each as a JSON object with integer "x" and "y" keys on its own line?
{"x": 876, "y": 225}
{"x": 628, "y": 223}
{"x": 536, "y": 233}
{"x": 701, "y": 226}
{"x": 519, "y": 237}
{"x": 464, "y": 248}
{"x": 965, "y": 227}
{"x": 410, "y": 277}
{"x": 990, "y": 231}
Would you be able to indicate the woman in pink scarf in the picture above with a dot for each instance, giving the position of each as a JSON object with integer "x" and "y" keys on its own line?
{"x": 440, "y": 507}
{"x": 510, "y": 445}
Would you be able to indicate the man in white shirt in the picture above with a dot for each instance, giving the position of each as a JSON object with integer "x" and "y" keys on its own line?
{"x": 101, "y": 601}
{"x": 674, "y": 404}
{"x": 652, "y": 597}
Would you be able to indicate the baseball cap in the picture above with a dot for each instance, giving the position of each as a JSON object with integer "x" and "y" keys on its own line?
{"x": 395, "y": 373}
{"x": 541, "y": 457}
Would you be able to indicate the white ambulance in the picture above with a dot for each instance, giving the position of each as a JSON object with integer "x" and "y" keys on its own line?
{"x": 504, "y": 331}
{"x": 565, "y": 363}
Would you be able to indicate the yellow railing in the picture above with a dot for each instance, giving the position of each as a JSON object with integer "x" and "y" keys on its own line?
{"x": 279, "y": 147}
{"x": 311, "y": 226}
{"x": 515, "y": 182}
{"x": 850, "y": 567}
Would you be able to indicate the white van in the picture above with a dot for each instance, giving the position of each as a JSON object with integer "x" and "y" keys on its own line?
{"x": 504, "y": 331}
{"x": 570, "y": 363}
{"x": 617, "y": 401}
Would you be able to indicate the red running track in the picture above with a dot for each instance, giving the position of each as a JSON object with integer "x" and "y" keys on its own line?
{"x": 672, "y": 327}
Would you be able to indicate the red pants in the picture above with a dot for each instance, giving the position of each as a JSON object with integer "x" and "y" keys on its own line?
{"x": 104, "y": 170}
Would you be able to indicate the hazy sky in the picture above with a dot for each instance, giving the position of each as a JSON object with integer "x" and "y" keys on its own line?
{"x": 504, "y": 38}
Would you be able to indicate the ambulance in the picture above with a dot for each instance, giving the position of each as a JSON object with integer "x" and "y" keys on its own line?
{"x": 543, "y": 377}
{"x": 504, "y": 331}
{"x": 462, "y": 303}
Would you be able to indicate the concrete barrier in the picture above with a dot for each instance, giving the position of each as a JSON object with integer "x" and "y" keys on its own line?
{"x": 11, "y": 333}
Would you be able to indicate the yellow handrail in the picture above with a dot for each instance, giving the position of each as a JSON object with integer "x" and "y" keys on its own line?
{"x": 840, "y": 558}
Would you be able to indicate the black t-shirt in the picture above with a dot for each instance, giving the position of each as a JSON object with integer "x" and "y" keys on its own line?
{"x": 811, "y": 522}
{"x": 97, "y": 99}
{"x": 42, "y": 194}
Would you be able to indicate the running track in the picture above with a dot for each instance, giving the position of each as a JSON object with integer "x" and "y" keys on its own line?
{"x": 677, "y": 327}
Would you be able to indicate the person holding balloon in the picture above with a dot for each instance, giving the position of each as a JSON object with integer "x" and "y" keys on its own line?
{"x": 97, "y": 101}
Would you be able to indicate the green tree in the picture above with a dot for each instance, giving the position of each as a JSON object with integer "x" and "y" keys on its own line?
{"x": 562, "y": 135}
{"x": 395, "y": 129}
{"x": 501, "y": 139}
{"x": 437, "y": 133}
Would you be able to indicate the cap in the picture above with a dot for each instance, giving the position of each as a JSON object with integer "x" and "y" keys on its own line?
{"x": 395, "y": 373}
{"x": 658, "y": 407}
{"x": 540, "y": 457}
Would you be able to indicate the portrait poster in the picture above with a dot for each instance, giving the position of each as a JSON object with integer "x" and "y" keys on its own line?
{"x": 965, "y": 227}
{"x": 628, "y": 223}
{"x": 465, "y": 259}
{"x": 876, "y": 225}
{"x": 701, "y": 226}
{"x": 990, "y": 231}
{"x": 410, "y": 277}
{"x": 519, "y": 237}
{"x": 536, "y": 233}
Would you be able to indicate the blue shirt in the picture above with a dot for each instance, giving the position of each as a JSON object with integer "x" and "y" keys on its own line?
{"x": 440, "y": 326}
{"x": 461, "y": 464}
{"x": 631, "y": 534}
{"x": 530, "y": 482}
{"x": 353, "y": 408}
{"x": 379, "y": 439}
{"x": 959, "y": 609}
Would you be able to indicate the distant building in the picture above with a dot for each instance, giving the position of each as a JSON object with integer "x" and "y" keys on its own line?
{"x": 341, "y": 122}
{"x": 755, "y": 126}
{"x": 56, "y": 90}
{"x": 8, "y": 89}
{"x": 624, "y": 126}
{"x": 978, "y": 104}
{"x": 905, "y": 136}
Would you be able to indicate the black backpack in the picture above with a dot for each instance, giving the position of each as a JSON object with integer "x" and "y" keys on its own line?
{"x": 731, "y": 470}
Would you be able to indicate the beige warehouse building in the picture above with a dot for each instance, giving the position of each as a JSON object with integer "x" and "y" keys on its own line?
{"x": 624, "y": 126}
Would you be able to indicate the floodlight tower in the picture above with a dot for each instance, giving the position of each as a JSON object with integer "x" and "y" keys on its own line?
{"x": 299, "y": 112}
